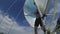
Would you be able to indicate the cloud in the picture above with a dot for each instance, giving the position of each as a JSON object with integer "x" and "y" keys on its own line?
{"x": 5, "y": 26}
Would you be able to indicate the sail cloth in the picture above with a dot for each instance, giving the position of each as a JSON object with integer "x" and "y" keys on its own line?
{"x": 30, "y": 8}
{"x": 43, "y": 5}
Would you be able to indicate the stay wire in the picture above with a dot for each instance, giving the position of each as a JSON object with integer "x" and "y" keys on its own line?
{"x": 15, "y": 19}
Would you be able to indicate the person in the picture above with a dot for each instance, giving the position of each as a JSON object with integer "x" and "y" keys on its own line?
{"x": 58, "y": 23}
{"x": 38, "y": 22}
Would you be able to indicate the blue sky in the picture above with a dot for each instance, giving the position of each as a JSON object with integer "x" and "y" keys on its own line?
{"x": 14, "y": 10}
{"x": 8, "y": 12}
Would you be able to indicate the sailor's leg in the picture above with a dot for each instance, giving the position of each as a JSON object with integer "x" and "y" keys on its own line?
{"x": 36, "y": 25}
{"x": 35, "y": 29}
{"x": 43, "y": 28}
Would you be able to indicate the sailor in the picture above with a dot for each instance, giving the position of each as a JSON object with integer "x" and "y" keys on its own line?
{"x": 38, "y": 22}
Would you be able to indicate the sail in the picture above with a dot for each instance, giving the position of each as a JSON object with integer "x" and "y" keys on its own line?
{"x": 42, "y": 5}
{"x": 30, "y": 8}
{"x": 53, "y": 16}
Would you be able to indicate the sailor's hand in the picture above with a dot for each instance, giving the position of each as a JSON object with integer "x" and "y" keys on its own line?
{"x": 44, "y": 15}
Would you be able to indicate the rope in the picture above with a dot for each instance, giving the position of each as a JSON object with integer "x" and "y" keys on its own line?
{"x": 15, "y": 19}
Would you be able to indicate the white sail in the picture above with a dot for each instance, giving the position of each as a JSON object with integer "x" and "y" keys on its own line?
{"x": 41, "y": 5}
{"x": 53, "y": 18}
{"x": 44, "y": 11}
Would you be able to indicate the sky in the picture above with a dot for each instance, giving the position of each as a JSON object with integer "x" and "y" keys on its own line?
{"x": 13, "y": 7}
{"x": 12, "y": 19}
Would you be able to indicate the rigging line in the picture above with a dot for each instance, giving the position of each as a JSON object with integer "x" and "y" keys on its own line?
{"x": 15, "y": 19}
{"x": 9, "y": 8}
{"x": 55, "y": 8}
{"x": 11, "y": 5}
{"x": 47, "y": 6}
{"x": 53, "y": 17}
{"x": 19, "y": 13}
{"x": 56, "y": 1}
{"x": 46, "y": 10}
